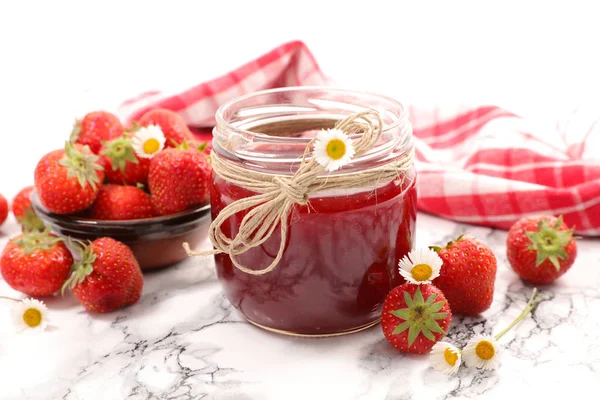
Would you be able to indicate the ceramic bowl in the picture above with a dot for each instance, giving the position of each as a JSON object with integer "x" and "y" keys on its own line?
{"x": 156, "y": 242}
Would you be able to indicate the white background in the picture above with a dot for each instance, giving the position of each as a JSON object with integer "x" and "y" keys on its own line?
{"x": 59, "y": 59}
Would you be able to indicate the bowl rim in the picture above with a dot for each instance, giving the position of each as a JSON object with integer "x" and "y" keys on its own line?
{"x": 172, "y": 219}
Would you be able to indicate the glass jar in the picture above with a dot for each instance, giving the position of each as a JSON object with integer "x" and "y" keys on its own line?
{"x": 342, "y": 249}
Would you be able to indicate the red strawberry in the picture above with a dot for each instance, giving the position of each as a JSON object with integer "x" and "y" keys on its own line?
{"x": 415, "y": 317}
{"x": 96, "y": 127}
{"x": 540, "y": 249}
{"x": 123, "y": 165}
{"x": 107, "y": 277}
{"x": 3, "y": 209}
{"x": 36, "y": 263}
{"x": 172, "y": 125}
{"x": 115, "y": 202}
{"x": 67, "y": 181}
{"x": 467, "y": 276}
{"x": 179, "y": 179}
{"x": 23, "y": 212}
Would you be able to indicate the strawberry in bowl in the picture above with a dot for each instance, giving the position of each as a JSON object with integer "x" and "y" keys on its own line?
{"x": 133, "y": 186}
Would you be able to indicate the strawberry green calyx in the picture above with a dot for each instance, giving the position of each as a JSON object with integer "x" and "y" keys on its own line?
{"x": 76, "y": 131}
{"x": 82, "y": 165}
{"x": 181, "y": 146}
{"x": 31, "y": 222}
{"x": 437, "y": 249}
{"x": 185, "y": 145}
{"x": 202, "y": 146}
{"x": 420, "y": 316}
{"x": 549, "y": 242}
{"x": 120, "y": 151}
{"x": 33, "y": 241}
{"x": 82, "y": 268}
{"x": 134, "y": 127}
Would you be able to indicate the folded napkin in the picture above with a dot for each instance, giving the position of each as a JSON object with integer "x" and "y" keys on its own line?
{"x": 478, "y": 165}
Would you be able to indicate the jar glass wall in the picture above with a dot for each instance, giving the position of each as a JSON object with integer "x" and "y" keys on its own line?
{"x": 342, "y": 249}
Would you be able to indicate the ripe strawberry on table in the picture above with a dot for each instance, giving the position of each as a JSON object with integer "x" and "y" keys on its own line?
{"x": 541, "y": 249}
{"x": 23, "y": 212}
{"x": 179, "y": 179}
{"x": 3, "y": 209}
{"x": 172, "y": 125}
{"x": 467, "y": 276}
{"x": 36, "y": 263}
{"x": 106, "y": 277}
{"x": 96, "y": 127}
{"x": 122, "y": 165}
{"x": 67, "y": 181}
{"x": 415, "y": 317}
{"x": 116, "y": 202}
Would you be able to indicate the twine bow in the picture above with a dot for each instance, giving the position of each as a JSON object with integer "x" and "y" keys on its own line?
{"x": 277, "y": 195}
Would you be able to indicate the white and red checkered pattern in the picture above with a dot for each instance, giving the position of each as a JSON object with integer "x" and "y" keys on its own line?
{"x": 483, "y": 165}
{"x": 291, "y": 64}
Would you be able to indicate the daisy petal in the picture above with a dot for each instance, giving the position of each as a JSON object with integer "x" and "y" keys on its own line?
{"x": 333, "y": 149}
{"x": 148, "y": 141}
{"x": 445, "y": 357}
{"x": 420, "y": 266}
{"x": 30, "y": 315}
{"x": 482, "y": 352}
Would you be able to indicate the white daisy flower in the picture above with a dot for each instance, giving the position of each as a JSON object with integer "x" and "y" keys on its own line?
{"x": 333, "y": 149}
{"x": 420, "y": 266}
{"x": 445, "y": 357}
{"x": 148, "y": 141}
{"x": 482, "y": 352}
{"x": 30, "y": 314}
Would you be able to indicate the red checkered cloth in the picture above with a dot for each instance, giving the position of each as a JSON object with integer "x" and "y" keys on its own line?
{"x": 482, "y": 166}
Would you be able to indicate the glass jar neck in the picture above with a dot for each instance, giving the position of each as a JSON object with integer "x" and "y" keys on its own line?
{"x": 269, "y": 131}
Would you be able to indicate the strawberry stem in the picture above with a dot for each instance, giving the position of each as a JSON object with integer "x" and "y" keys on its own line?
{"x": 530, "y": 306}
{"x": 437, "y": 249}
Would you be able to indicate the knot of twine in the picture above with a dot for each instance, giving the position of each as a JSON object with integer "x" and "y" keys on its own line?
{"x": 296, "y": 193}
{"x": 277, "y": 195}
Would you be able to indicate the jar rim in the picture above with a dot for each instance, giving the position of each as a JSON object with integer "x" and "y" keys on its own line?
{"x": 233, "y": 135}
{"x": 220, "y": 119}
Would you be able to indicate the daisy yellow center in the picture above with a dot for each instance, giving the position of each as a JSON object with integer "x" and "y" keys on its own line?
{"x": 32, "y": 317}
{"x": 151, "y": 146}
{"x": 336, "y": 149}
{"x": 485, "y": 350}
{"x": 450, "y": 356}
{"x": 421, "y": 272}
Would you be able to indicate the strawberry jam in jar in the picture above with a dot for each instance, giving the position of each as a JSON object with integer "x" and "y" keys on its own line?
{"x": 341, "y": 251}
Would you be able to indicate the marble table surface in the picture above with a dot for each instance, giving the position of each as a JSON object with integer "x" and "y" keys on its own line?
{"x": 183, "y": 340}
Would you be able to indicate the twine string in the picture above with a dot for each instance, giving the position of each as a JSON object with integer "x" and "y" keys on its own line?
{"x": 277, "y": 195}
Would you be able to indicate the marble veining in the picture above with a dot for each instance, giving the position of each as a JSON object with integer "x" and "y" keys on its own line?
{"x": 183, "y": 340}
